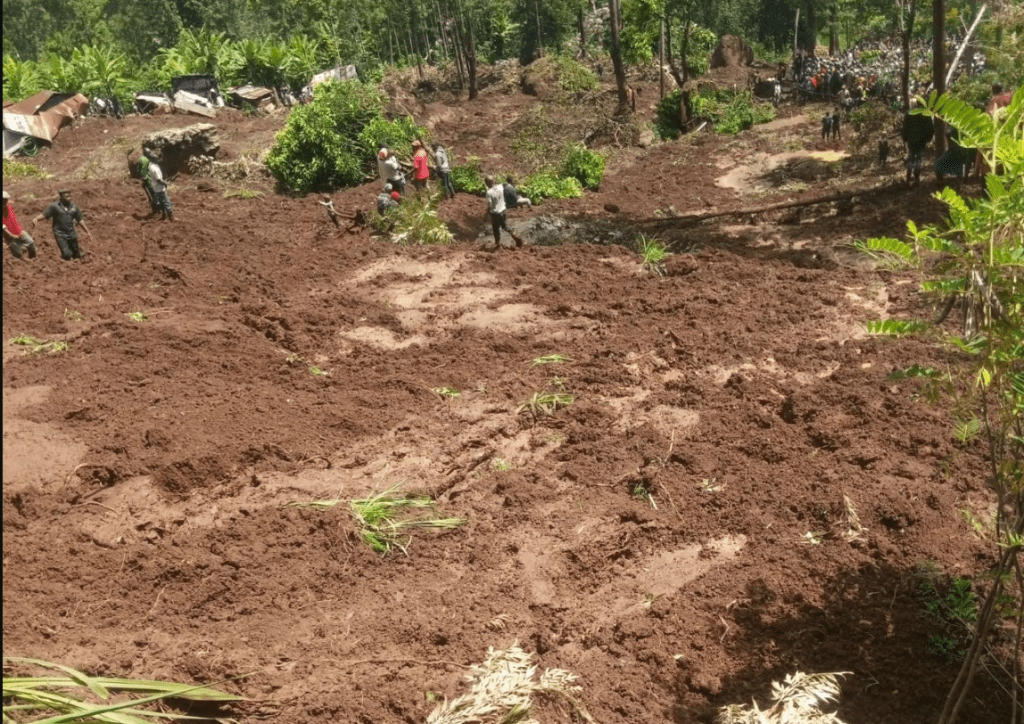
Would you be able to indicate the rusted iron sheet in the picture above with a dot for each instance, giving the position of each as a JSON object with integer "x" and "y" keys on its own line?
{"x": 44, "y": 114}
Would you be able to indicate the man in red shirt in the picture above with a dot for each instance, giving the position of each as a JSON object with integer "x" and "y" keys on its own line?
{"x": 18, "y": 240}
{"x": 421, "y": 171}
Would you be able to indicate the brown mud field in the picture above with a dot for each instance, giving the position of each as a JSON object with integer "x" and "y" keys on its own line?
{"x": 738, "y": 491}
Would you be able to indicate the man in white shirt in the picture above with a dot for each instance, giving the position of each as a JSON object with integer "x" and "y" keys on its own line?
{"x": 161, "y": 199}
{"x": 496, "y": 209}
{"x": 390, "y": 170}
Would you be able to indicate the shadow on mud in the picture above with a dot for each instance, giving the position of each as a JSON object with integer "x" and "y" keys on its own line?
{"x": 876, "y": 623}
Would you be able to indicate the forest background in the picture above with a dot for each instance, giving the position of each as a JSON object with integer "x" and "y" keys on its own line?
{"x": 116, "y": 48}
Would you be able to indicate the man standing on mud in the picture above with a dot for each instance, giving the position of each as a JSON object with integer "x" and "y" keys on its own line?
{"x": 17, "y": 239}
{"x": 496, "y": 210}
{"x": 65, "y": 216}
{"x": 444, "y": 170}
{"x": 158, "y": 185}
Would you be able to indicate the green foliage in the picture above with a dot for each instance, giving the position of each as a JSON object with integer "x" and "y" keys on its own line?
{"x": 23, "y": 169}
{"x": 870, "y": 122}
{"x": 976, "y": 257}
{"x": 21, "y": 79}
{"x": 321, "y": 147}
{"x": 572, "y": 75}
{"x": 698, "y": 53}
{"x": 65, "y": 694}
{"x": 641, "y": 24}
{"x": 397, "y": 135}
{"x": 668, "y": 123}
{"x": 546, "y": 184}
{"x": 415, "y": 222}
{"x": 584, "y": 165}
{"x": 653, "y": 253}
{"x": 731, "y": 111}
{"x": 467, "y": 177}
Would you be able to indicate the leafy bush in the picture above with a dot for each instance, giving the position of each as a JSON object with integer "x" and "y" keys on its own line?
{"x": 415, "y": 221}
{"x": 322, "y": 145}
{"x": 545, "y": 184}
{"x": 731, "y": 111}
{"x": 668, "y": 115}
{"x": 870, "y": 122}
{"x": 584, "y": 165}
{"x": 397, "y": 135}
{"x": 571, "y": 75}
{"x": 467, "y": 177}
{"x": 698, "y": 52}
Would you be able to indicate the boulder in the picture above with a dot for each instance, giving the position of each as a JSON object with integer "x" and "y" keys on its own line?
{"x": 174, "y": 147}
{"x": 731, "y": 52}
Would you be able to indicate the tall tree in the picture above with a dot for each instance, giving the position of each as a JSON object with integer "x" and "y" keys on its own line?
{"x": 906, "y": 29}
{"x": 939, "y": 66}
{"x": 616, "y": 53}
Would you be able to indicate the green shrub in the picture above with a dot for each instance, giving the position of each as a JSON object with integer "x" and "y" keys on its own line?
{"x": 572, "y": 75}
{"x": 467, "y": 177}
{"x": 731, "y": 111}
{"x": 415, "y": 221}
{"x": 397, "y": 135}
{"x": 545, "y": 184}
{"x": 668, "y": 115}
{"x": 584, "y": 165}
{"x": 322, "y": 146}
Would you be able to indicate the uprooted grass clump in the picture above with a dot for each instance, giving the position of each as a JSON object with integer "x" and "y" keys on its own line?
{"x": 503, "y": 689}
{"x": 65, "y": 694}
{"x": 384, "y": 519}
{"x": 414, "y": 222}
{"x": 35, "y": 346}
{"x": 798, "y": 700}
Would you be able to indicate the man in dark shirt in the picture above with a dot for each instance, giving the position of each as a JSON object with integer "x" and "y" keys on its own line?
{"x": 512, "y": 197}
{"x": 918, "y": 131}
{"x": 65, "y": 216}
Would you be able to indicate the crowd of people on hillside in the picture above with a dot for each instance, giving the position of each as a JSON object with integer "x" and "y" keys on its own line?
{"x": 871, "y": 69}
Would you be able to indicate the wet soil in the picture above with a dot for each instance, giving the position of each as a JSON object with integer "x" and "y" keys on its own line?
{"x": 738, "y": 491}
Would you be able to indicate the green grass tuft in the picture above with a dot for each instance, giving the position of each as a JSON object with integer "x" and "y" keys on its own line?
{"x": 63, "y": 694}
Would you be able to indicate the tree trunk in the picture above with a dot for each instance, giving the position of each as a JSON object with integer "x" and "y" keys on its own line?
{"x": 536, "y": 11}
{"x": 812, "y": 29}
{"x": 686, "y": 48}
{"x": 471, "y": 59}
{"x": 460, "y": 56}
{"x": 441, "y": 29}
{"x": 939, "y": 66}
{"x": 660, "y": 64}
{"x": 833, "y": 35}
{"x": 412, "y": 47}
{"x": 905, "y": 42}
{"x": 583, "y": 33}
{"x": 616, "y": 52}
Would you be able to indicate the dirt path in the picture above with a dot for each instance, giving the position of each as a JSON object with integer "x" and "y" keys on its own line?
{"x": 737, "y": 491}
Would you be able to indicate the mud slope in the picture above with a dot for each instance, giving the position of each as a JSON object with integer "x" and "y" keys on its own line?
{"x": 737, "y": 491}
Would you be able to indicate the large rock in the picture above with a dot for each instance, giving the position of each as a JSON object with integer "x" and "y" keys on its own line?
{"x": 174, "y": 147}
{"x": 731, "y": 52}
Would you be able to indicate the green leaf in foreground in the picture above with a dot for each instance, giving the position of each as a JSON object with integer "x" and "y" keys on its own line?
{"x": 68, "y": 696}
{"x": 895, "y": 327}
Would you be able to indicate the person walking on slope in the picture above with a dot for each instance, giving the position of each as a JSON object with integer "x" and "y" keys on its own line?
{"x": 161, "y": 199}
{"x": 16, "y": 238}
{"x": 918, "y": 131}
{"x": 836, "y": 133}
{"x": 826, "y": 127}
{"x": 512, "y": 197}
{"x": 496, "y": 211}
{"x": 444, "y": 170}
{"x": 65, "y": 217}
